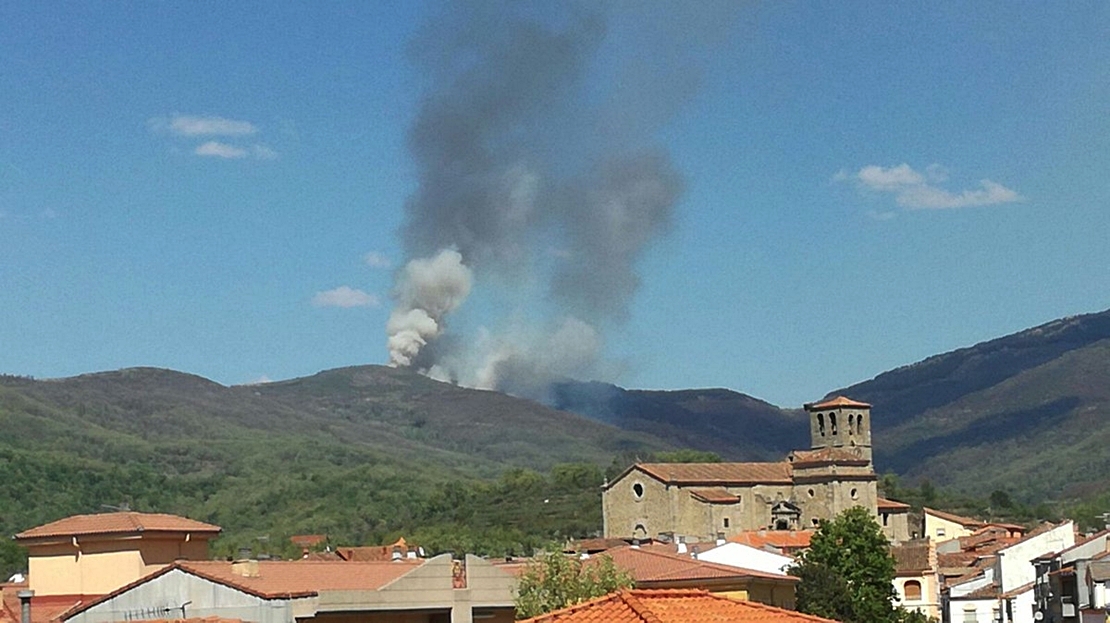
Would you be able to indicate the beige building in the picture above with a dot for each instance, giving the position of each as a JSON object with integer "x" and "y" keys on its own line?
{"x": 707, "y": 501}
{"x": 87, "y": 555}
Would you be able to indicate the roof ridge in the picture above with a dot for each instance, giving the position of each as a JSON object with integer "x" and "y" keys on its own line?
{"x": 642, "y": 611}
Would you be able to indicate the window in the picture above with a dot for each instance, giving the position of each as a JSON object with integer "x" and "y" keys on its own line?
{"x": 851, "y": 424}
{"x": 886, "y": 519}
{"x": 726, "y": 522}
{"x": 969, "y": 614}
{"x": 854, "y": 493}
{"x": 912, "y": 590}
{"x": 811, "y": 493}
{"x": 832, "y": 422}
{"x": 940, "y": 531}
{"x": 821, "y": 423}
{"x": 638, "y": 490}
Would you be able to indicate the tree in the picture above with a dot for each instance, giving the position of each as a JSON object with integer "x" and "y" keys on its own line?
{"x": 556, "y": 581}
{"x": 848, "y": 571}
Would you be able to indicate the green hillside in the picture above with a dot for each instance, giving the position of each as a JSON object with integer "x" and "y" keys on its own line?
{"x": 362, "y": 454}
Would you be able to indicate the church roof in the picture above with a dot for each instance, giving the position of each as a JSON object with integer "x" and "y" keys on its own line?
{"x": 718, "y": 473}
{"x": 825, "y": 456}
{"x": 836, "y": 403}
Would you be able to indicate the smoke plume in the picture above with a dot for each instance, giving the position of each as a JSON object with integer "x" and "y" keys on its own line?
{"x": 540, "y": 182}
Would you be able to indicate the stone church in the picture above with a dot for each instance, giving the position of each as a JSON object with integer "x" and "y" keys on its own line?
{"x": 707, "y": 501}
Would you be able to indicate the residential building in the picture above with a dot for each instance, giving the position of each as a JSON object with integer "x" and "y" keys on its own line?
{"x": 916, "y": 581}
{"x": 435, "y": 590}
{"x": 707, "y": 501}
{"x": 1061, "y": 588}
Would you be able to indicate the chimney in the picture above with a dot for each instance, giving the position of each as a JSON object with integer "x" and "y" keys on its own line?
{"x": 411, "y": 554}
{"x": 245, "y": 568}
{"x": 396, "y": 555}
{"x": 681, "y": 547}
{"x": 720, "y": 539}
{"x": 25, "y": 605}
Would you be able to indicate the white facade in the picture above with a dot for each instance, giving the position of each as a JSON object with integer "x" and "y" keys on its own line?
{"x": 747, "y": 557}
{"x": 1014, "y": 566}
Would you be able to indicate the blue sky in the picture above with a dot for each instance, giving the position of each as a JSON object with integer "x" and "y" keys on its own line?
{"x": 221, "y": 188}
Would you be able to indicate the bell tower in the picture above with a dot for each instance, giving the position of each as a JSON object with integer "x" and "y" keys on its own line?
{"x": 840, "y": 423}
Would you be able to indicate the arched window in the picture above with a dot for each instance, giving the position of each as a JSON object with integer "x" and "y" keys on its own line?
{"x": 832, "y": 422}
{"x": 851, "y": 424}
{"x": 821, "y": 423}
{"x": 912, "y": 590}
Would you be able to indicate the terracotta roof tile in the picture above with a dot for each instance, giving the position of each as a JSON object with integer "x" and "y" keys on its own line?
{"x": 212, "y": 619}
{"x": 838, "y": 402}
{"x": 780, "y": 539}
{"x": 966, "y": 522}
{"x": 891, "y": 505}
{"x": 44, "y": 608}
{"x": 990, "y": 591}
{"x": 824, "y": 456}
{"x": 911, "y": 557}
{"x": 128, "y": 522}
{"x": 672, "y": 606}
{"x": 714, "y": 495}
{"x": 719, "y": 473}
{"x": 653, "y": 567}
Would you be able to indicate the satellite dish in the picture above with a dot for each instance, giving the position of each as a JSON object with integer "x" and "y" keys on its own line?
{"x": 1038, "y": 615}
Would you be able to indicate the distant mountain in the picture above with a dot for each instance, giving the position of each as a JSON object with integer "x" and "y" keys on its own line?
{"x": 734, "y": 425}
{"x": 1028, "y": 412}
{"x": 369, "y": 451}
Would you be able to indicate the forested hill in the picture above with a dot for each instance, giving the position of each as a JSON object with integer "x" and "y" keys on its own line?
{"x": 1027, "y": 413}
{"x": 364, "y": 454}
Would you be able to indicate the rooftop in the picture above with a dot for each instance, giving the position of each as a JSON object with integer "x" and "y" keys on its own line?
{"x": 127, "y": 522}
{"x": 837, "y": 403}
{"x": 654, "y": 567}
{"x": 778, "y": 539}
{"x": 672, "y": 606}
{"x": 718, "y": 473}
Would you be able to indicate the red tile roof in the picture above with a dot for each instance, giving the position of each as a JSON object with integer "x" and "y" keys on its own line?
{"x": 672, "y": 606}
{"x": 786, "y": 540}
{"x": 966, "y": 522}
{"x": 718, "y": 495}
{"x": 835, "y": 403}
{"x": 718, "y": 473}
{"x": 656, "y": 567}
{"x": 212, "y": 619}
{"x": 891, "y": 505}
{"x": 128, "y": 522}
{"x": 44, "y": 609}
{"x": 824, "y": 456}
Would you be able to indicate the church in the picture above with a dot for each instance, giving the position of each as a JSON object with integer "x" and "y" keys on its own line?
{"x": 708, "y": 501}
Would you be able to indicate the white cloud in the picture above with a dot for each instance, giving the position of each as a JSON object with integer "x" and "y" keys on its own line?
{"x": 263, "y": 152}
{"x": 187, "y": 125}
{"x": 914, "y": 190}
{"x": 345, "y": 297}
{"x": 220, "y": 150}
{"x": 374, "y": 259}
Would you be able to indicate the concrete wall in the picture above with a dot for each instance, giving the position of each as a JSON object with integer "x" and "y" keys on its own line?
{"x": 1014, "y": 566}
{"x": 164, "y": 596}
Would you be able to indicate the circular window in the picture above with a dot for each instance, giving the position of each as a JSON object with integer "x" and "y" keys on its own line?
{"x": 811, "y": 493}
{"x": 815, "y": 522}
{"x": 638, "y": 490}
{"x": 854, "y": 493}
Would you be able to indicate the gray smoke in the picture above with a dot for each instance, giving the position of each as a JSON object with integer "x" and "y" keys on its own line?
{"x": 539, "y": 174}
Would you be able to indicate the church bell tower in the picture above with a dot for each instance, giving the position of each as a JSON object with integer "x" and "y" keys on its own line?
{"x": 840, "y": 423}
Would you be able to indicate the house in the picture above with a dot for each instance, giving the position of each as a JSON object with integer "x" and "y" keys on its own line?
{"x": 672, "y": 606}
{"x": 1062, "y": 590}
{"x": 941, "y": 526}
{"x": 436, "y": 590}
{"x": 1003, "y": 590}
{"x": 89, "y": 555}
{"x": 651, "y": 568}
{"x": 916, "y": 581}
{"x": 707, "y": 501}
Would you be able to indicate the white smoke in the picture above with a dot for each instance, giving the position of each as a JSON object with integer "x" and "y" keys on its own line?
{"x": 427, "y": 290}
